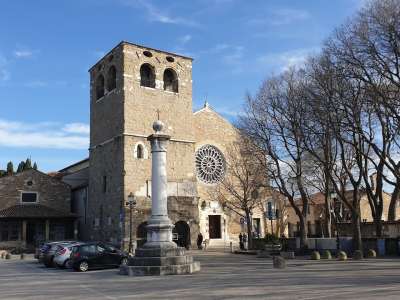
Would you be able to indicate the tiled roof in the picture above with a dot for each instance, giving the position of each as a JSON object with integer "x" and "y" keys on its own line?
{"x": 33, "y": 211}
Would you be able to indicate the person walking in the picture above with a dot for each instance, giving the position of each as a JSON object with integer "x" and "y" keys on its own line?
{"x": 200, "y": 241}
{"x": 241, "y": 245}
{"x": 244, "y": 241}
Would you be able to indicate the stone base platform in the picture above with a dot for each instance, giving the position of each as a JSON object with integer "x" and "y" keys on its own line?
{"x": 159, "y": 261}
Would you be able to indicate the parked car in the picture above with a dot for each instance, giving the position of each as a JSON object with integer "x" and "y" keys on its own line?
{"x": 42, "y": 250}
{"x": 96, "y": 255}
{"x": 50, "y": 251}
{"x": 63, "y": 253}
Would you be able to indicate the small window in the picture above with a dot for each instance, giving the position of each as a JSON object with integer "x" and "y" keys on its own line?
{"x": 140, "y": 152}
{"x": 147, "y": 53}
{"x": 100, "y": 86}
{"x": 170, "y": 59}
{"x": 111, "y": 79}
{"x": 147, "y": 76}
{"x": 28, "y": 197}
{"x": 170, "y": 81}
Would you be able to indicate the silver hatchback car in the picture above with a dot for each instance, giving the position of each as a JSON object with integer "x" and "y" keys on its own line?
{"x": 63, "y": 253}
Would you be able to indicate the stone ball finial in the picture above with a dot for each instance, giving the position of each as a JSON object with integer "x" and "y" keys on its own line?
{"x": 158, "y": 126}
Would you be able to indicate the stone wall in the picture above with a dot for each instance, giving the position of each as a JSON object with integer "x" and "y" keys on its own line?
{"x": 106, "y": 200}
{"x": 51, "y": 192}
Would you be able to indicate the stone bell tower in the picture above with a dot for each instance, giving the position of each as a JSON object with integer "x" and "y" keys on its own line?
{"x": 128, "y": 86}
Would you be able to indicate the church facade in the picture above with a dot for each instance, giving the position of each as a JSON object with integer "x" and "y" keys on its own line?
{"x": 130, "y": 87}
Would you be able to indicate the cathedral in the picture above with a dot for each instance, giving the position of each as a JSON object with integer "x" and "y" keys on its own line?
{"x": 130, "y": 87}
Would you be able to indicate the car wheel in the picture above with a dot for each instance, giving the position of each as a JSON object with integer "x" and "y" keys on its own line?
{"x": 83, "y": 266}
{"x": 66, "y": 264}
{"x": 124, "y": 261}
{"x": 49, "y": 264}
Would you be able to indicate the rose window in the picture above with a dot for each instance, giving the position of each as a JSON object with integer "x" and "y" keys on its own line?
{"x": 210, "y": 164}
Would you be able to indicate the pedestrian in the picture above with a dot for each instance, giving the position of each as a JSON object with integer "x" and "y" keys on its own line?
{"x": 200, "y": 241}
{"x": 244, "y": 241}
{"x": 241, "y": 241}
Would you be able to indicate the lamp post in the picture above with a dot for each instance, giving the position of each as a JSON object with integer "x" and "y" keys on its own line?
{"x": 132, "y": 204}
{"x": 333, "y": 196}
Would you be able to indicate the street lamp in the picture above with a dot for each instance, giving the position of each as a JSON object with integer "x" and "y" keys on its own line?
{"x": 132, "y": 204}
{"x": 334, "y": 211}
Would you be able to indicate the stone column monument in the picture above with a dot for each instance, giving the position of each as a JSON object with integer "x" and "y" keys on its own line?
{"x": 159, "y": 255}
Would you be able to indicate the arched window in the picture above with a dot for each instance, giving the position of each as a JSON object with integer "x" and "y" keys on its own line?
{"x": 100, "y": 86}
{"x": 170, "y": 81}
{"x": 139, "y": 152}
{"x": 147, "y": 76}
{"x": 111, "y": 78}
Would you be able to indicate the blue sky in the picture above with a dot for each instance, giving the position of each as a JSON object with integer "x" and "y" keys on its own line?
{"x": 46, "y": 48}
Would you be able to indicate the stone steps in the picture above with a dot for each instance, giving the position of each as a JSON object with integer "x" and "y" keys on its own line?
{"x": 160, "y": 261}
{"x": 160, "y": 270}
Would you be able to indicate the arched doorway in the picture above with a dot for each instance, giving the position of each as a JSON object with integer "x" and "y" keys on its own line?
{"x": 182, "y": 230}
{"x": 141, "y": 234}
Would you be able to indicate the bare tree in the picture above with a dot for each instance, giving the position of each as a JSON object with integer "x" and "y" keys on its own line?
{"x": 245, "y": 178}
{"x": 368, "y": 50}
{"x": 273, "y": 120}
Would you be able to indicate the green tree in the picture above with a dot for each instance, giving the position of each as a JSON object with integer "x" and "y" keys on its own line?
{"x": 21, "y": 167}
{"x": 10, "y": 168}
{"x": 28, "y": 164}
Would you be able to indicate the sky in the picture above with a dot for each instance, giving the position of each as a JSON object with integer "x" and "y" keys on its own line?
{"x": 47, "y": 47}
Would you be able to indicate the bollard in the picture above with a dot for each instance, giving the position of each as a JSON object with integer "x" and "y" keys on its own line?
{"x": 231, "y": 247}
{"x": 22, "y": 255}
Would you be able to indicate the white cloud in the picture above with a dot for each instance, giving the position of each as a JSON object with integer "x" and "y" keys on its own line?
{"x": 99, "y": 53}
{"x": 231, "y": 112}
{"x": 288, "y": 16}
{"x": 79, "y": 128}
{"x": 23, "y": 53}
{"x": 36, "y": 84}
{"x": 283, "y": 16}
{"x": 233, "y": 58}
{"x": 155, "y": 14}
{"x": 48, "y": 135}
{"x": 4, "y": 74}
{"x": 284, "y": 60}
{"x": 185, "y": 39}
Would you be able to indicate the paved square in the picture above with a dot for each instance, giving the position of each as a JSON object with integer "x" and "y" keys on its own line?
{"x": 223, "y": 276}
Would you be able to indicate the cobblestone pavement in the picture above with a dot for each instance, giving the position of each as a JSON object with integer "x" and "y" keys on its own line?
{"x": 223, "y": 276}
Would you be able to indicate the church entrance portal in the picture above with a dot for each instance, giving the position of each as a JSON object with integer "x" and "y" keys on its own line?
{"x": 182, "y": 230}
{"x": 214, "y": 226}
